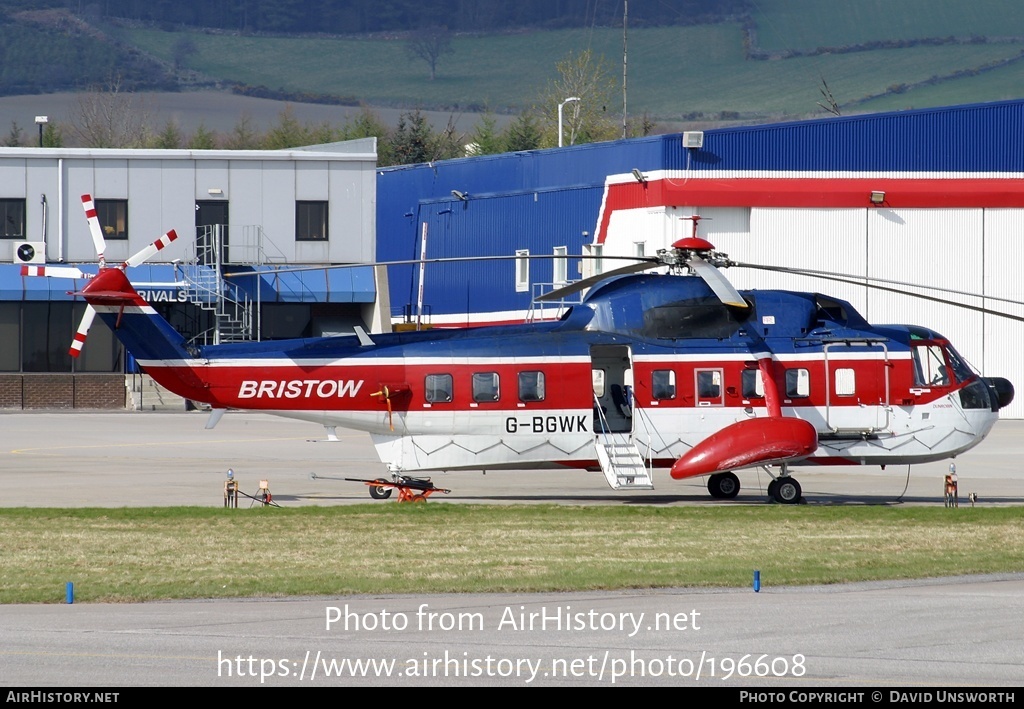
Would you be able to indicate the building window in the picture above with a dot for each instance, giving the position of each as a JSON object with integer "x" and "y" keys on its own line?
{"x": 522, "y": 270}
{"x": 311, "y": 221}
{"x": 560, "y": 269}
{"x": 113, "y": 216}
{"x": 531, "y": 386}
{"x": 12, "y": 219}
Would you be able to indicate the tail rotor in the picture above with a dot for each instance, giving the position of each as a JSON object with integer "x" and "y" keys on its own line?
{"x": 96, "y": 231}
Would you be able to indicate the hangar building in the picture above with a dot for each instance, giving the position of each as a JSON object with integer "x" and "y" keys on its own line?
{"x": 931, "y": 197}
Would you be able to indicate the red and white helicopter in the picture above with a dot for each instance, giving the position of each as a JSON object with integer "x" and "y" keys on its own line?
{"x": 677, "y": 371}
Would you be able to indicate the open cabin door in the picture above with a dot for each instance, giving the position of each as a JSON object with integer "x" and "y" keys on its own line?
{"x": 613, "y": 388}
{"x": 856, "y": 388}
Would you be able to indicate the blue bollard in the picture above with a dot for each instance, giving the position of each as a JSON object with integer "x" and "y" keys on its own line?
{"x": 70, "y": 592}
{"x": 757, "y": 582}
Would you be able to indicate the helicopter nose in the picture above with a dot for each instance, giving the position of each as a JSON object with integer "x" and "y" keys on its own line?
{"x": 1002, "y": 389}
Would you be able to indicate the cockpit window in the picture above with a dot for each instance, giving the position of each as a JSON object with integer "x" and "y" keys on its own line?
{"x": 930, "y": 366}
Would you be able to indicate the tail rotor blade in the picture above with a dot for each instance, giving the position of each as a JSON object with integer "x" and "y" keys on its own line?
{"x": 83, "y": 330}
{"x": 94, "y": 225}
{"x": 158, "y": 245}
{"x": 53, "y": 271}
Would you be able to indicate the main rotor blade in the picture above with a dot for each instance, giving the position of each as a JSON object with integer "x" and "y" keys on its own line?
{"x": 652, "y": 261}
{"x": 83, "y": 330}
{"x": 561, "y": 293}
{"x": 158, "y": 245}
{"x": 859, "y": 280}
{"x": 94, "y": 225}
{"x": 932, "y": 298}
{"x": 718, "y": 283}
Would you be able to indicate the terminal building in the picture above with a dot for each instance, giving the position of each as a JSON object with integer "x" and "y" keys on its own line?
{"x": 930, "y": 197}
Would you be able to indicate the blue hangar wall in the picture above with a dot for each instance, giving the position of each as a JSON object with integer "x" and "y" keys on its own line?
{"x": 539, "y": 200}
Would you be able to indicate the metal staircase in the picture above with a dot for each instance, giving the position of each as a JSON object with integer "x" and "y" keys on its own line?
{"x": 235, "y": 313}
{"x": 621, "y": 462}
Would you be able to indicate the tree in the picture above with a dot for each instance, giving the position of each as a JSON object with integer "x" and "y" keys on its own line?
{"x": 203, "y": 139}
{"x": 169, "y": 138}
{"x": 244, "y": 136}
{"x": 587, "y": 120}
{"x": 53, "y": 135}
{"x": 430, "y": 44}
{"x": 14, "y": 139}
{"x": 110, "y": 117}
{"x": 182, "y": 51}
{"x": 485, "y": 139}
{"x": 523, "y": 133}
{"x": 287, "y": 132}
{"x": 412, "y": 140}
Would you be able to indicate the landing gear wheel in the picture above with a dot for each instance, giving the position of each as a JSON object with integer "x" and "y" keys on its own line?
{"x": 772, "y": 486}
{"x": 380, "y": 492}
{"x": 724, "y": 486}
{"x": 787, "y": 491}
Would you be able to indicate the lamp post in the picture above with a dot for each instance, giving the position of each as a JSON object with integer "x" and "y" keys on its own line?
{"x": 41, "y": 121}
{"x": 568, "y": 100}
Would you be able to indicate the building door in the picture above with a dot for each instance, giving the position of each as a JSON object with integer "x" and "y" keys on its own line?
{"x": 212, "y": 232}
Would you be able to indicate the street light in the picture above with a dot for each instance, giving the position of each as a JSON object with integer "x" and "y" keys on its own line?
{"x": 568, "y": 100}
{"x": 41, "y": 121}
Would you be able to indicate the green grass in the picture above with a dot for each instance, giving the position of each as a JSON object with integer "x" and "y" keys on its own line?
{"x": 807, "y": 24}
{"x": 675, "y": 73}
{"x": 176, "y": 553}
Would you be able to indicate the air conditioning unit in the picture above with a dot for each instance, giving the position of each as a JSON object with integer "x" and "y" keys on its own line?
{"x": 693, "y": 139}
{"x": 29, "y": 251}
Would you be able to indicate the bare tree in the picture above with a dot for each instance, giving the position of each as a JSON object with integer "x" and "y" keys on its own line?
{"x": 110, "y": 117}
{"x": 585, "y": 77}
{"x": 430, "y": 44}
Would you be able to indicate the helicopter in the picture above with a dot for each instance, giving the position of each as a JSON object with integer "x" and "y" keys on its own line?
{"x": 675, "y": 370}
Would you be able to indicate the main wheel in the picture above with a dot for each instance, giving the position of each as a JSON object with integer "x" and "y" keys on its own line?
{"x": 771, "y": 487}
{"x": 787, "y": 491}
{"x": 380, "y": 492}
{"x": 724, "y": 486}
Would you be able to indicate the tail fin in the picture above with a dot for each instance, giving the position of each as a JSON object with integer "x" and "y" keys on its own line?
{"x": 156, "y": 346}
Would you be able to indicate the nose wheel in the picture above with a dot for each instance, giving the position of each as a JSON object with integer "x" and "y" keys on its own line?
{"x": 724, "y": 486}
{"x": 785, "y": 490}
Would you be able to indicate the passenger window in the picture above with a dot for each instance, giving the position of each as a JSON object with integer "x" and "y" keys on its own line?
{"x": 531, "y": 386}
{"x": 485, "y": 386}
{"x": 709, "y": 384}
{"x": 753, "y": 385}
{"x": 597, "y": 375}
{"x": 663, "y": 384}
{"x": 798, "y": 383}
{"x": 846, "y": 382}
{"x": 438, "y": 388}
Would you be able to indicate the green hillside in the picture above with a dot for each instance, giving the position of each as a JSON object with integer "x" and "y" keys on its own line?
{"x": 675, "y": 73}
{"x": 770, "y": 62}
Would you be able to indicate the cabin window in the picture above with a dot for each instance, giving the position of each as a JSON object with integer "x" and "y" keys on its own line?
{"x": 597, "y": 375}
{"x": 798, "y": 383}
{"x": 930, "y": 366}
{"x": 663, "y": 384}
{"x": 113, "y": 218}
{"x": 522, "y": 270}
{"x": 12, "y": 219}
{"x": 438, "y": 388}
{"x": 311, "y": 221}
{"x": 709, "y": 384}
{"x": 559, "y": 267}
{"x": 485, "y": 386}
{"x": 753, "y": 385}
{"x": 531, "y": 386}
{"x": 846, "y": 382}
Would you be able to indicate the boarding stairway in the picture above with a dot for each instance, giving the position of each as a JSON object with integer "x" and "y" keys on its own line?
{"x": 621, "y": 462}
{"x": 234, "y": 313}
